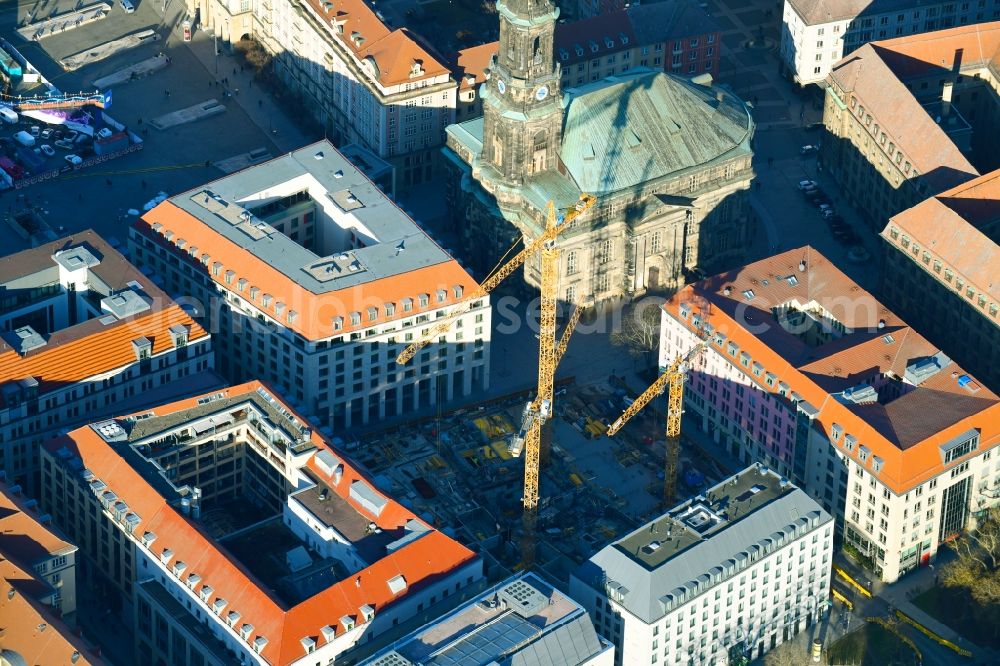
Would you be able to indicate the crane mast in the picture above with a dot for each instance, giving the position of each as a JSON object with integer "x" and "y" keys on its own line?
{"x": 672, "y": 380}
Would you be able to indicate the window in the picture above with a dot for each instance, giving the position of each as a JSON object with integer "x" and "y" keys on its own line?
{"x": 571, "y": 262}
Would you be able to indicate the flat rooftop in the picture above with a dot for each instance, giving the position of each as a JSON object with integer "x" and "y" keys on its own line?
{"x": 358, "y": 238}
{"x": 341, "y": 191}
{"x": 522, "y": 614}
{"x": 680, "y": 553}
{"x": 700, "y": 518}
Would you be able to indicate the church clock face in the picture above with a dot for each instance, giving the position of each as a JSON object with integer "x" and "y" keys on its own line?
{"x": 501, "y": 86}
{"x": 541, "y": 93}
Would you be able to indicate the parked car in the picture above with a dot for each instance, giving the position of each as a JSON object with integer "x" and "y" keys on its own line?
{"x": 128, "y": 6}
{"x": 35, "y": 130}
{"x": 47, "y": 133}
{"x": 104, "y": 132}
{"x": 808, "y": 150}
{"x": 75, "y": 160}
{"x": 806, "y": 185}
{"x": 82, "y": 139}
{"x": 48, "y": 150}
{"x": 64, "y": 144}
{"x": 71, "y": 135}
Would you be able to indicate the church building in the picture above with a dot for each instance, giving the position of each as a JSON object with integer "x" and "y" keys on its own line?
{"x": 668, "y": 159}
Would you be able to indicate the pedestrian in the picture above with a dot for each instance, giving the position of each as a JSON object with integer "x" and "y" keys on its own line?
{"x": 234, "y": 71}
{"x": 241, "y": 68}
{"x": 167, "y": 93}
{"x": 251, "y": 83}
{"x": 236, "y": 91}
{"x": 79, "y": 197}
{"x": 143, "y": 183}
{"x": 108, "y": 181}
{"x": 770, "y": 161}
{"x": 140, "y": 121}
{"x": 260, "y": 103}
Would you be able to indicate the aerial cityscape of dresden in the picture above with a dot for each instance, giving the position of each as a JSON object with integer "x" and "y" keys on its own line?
{"x": 499, "y": 332}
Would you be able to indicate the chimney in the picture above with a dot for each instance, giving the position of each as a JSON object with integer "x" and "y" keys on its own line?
{"x": 946, "y": 98}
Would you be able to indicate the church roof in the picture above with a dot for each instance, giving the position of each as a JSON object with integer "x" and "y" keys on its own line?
{"x": 635, "y": 127}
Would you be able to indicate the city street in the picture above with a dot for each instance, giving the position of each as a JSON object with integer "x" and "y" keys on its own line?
{"x": 172, "y": 160}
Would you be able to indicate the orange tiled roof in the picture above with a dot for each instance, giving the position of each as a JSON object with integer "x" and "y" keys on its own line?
{"x": 364, "y": 35}
{"x": 948, "y": 225}
{"x": 22, "y": 537}
{"x": 421, "y": 560}
{"x": 31, "y": 630}
{"x": 472, "y": 62}
{"x": 967, "y": 47}
{"x": 316, "y": 311}
{"x": 864, "y": 74}
{"x": 906, "y": 432}
{"x": 102, "y": 350}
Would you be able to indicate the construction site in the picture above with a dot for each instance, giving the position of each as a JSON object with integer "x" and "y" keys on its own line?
{"x": 457, "y": 472}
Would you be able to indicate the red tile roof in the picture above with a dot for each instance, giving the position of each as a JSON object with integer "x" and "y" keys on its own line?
{"x": 393, "y": 51}
{"x": 22, "y": 537}
{"x": 866, "y": 76}
{"x": 31, "y": 629}
{"x": 472, "y": 62}
{"x": 948, "y": 226}
{"x": 906, "y": 432}
{"x": 419, "y": 561}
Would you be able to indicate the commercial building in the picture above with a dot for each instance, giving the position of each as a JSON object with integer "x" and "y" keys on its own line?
{"x": 809, "y": 374}
{"x": 817, "y": 33}
{"x": 520, "y": 620}
{"x": 941, "y": 272}
{"x": 363, "y": 80}
{"x": 224, "y": 529}
{"x": 667, "y": 158}
{"x": 315, "y": 281}
{"x": 83, "y": 332}
{"x": 734, "y": 571}
{"x": 30, "y": 541}
{"x": 37, "y": 587}
{"x": 676, "y": 36}
{"x": 911, "y": 117}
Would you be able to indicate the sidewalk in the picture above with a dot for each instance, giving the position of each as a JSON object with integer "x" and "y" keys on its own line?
{"x": 254, "y": 100}
{"x": 899, "y": 596}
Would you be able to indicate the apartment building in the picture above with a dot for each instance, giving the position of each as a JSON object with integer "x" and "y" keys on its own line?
{"x": 30, "y": 541}
{"x": 588, "y": 8}
{"x": 37, "y": 587}
{"x": 805, "y": 372}
{"x": 314, "y": 281}
{"x": 365, "y": 81}
{"x": 223, "y": 529}
{"x": 816, "y": 34}
{"x": 523, "y": 619}
{"x": 737, "y": 570}
{"x": 83, "y": 332}
{"x": 911, "y": 117}
{"x": 941, "y": 268}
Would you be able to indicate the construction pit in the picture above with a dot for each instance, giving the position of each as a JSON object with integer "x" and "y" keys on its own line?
{"x": 456, "y": 471}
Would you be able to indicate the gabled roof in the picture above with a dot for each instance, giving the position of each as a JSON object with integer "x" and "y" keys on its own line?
{"x": 22, "y": 537}
{"x": 904, "y": 432}
{"x": 364, "y": 35}
{"x": 419, "y": 561}
{"x": 948, "y": 225}
{"x": 818, "y": 12}
{"x": 31, "y": 630}
{"x": 636, "y": 127}
{"x": 472, "y": 63}
{"x": 595, "y": 37}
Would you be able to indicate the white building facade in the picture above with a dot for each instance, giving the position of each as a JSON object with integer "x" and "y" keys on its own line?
{"x": 735, "y": 571}
{"x": 332, "y": 351}
{"x": 815, "y": 35}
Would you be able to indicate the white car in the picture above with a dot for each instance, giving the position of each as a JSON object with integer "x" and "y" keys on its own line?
{"x": 65, "y": 144}
{"x": 808, "y": 150}
{"x": 48, "y": 150}
{"x": 808, "y": 185}
{"x": 104, "y": 133}
{"x": 128, "y": 6}
{"x": 75, "y": 160}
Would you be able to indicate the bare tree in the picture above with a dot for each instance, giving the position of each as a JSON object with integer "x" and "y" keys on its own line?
{"x": 977, "y": 567}
{"x": 639, "y": 332}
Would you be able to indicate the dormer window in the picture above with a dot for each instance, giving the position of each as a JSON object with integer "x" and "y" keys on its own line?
{"x": 338, "y": 323}
{"x": 179, "y": 335}
{"x": 355, "y": 319}
{"x": 143, "y": 348}
{"x": 416, "y": 68}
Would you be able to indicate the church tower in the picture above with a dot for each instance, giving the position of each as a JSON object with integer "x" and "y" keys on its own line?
{"x": 522, "y": 106}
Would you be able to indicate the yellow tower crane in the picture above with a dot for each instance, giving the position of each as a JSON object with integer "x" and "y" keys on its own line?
{"x": 549, "y": 351}
{"x": 673, "y": 380}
